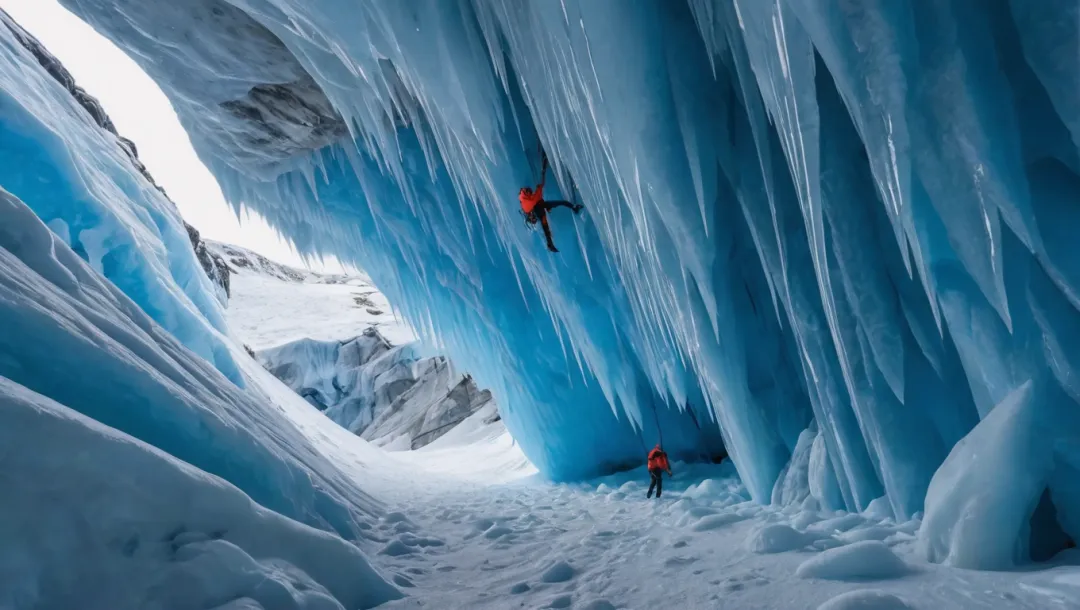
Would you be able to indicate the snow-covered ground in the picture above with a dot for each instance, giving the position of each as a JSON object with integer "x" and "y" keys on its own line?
{"x": 273, "y": 304}
{"x": 477, "y": 529}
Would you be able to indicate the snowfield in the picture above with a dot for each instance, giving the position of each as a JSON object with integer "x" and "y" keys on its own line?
{"x": 475, "y": 530}
{"x": 273, "y": 304}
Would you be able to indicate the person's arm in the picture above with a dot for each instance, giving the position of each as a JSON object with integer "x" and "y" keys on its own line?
{"x": 543, "y": 176}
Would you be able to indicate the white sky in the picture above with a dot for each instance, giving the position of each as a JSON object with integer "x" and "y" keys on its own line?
{"x": 143, "y": 114}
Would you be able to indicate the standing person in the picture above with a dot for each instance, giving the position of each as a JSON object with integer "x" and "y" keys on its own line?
{"x": 658, "y": 463}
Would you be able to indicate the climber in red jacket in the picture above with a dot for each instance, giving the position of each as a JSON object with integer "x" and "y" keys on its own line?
{"x": 658, "y": 463}
{"x": 536, "y": 208}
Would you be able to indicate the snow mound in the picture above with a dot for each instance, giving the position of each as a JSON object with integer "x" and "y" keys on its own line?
{"x": 779, "y": 538}
{"x": 711, "y": 522}
{"x": 867, "y": 560}
{"x": 982, "y": 504}
{"x": 136, "y": 524}
{"x": 560, "y": 572}
{"x": 866, "y": 599}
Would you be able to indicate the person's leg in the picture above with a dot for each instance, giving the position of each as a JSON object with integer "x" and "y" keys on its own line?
{"x": 659, "y": 483}
{"x": 652, "y": 484}
{"x": 547, "y": 228}
{"x": 576, "y": 207}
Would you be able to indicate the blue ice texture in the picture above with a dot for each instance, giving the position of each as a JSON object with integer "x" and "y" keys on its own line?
{"x": 820, "y": 235}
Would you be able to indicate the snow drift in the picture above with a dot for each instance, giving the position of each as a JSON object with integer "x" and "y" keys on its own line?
{"x": 853, "y": 216}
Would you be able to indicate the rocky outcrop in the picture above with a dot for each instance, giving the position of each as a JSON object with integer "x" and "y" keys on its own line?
{"x": 212, "y": 263}
{"x": 385, "y": 394}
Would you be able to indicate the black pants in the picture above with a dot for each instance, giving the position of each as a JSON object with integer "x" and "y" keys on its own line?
{"x": 656, "y": 477}
{"x": 541, "y": 211}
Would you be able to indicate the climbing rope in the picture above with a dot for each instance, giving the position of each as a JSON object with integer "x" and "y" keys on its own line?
{"x": 656, "y": 419}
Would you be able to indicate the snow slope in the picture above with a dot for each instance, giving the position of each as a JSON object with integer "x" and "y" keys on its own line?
{"x": 273, "y": 304}
{"x": 136, "y": 475}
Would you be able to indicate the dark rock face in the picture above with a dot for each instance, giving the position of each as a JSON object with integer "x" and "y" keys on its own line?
{"x": 215, "y": 268}
{"x": 212, "y": 263}
{"x": 375, "y": 390}
{"x": 285, "y": 120}
{"x": 265, "y": 110}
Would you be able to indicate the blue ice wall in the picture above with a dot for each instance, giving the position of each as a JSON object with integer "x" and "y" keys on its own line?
{"x": 79, "y": 179}
{"x": 857, "y": 215}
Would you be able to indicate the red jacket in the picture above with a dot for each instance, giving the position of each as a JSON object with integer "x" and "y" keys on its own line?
{"x": 658, "y": 460}
{"x": 529, "y": 201}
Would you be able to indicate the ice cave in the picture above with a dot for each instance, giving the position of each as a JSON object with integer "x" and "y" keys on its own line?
{"x": 822, "y": 257}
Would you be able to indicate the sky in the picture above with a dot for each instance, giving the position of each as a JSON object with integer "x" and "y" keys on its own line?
{"x": 143, "y": 114}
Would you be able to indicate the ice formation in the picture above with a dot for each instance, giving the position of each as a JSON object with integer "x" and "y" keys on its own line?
{"x": 849, "y": 218}
{"x": 62, "y": 157}
{"x": 797, "y": 211}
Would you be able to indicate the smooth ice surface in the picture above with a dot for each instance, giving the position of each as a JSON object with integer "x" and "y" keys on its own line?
{"x": 856, "y": 221}
{"x": 980, "y": 506}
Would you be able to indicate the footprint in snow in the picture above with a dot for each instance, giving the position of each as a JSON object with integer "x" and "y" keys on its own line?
{"x": 560, "y": 572}
{"x": 744, "y": 580}
{"x": 396, "y": 548}
{"x": 562, "y": 601}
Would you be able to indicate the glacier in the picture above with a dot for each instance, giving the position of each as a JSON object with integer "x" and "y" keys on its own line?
{"x": 829, "y": 239}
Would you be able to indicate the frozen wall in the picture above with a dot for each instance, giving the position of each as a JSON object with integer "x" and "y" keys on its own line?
{"x": 852, "y": 214}
{"x": 61, "y": 155}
